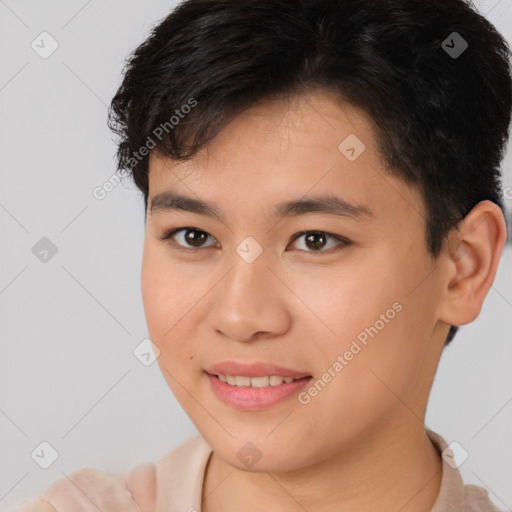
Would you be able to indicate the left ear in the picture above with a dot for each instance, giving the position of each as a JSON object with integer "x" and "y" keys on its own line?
{"x": 472, "y": 254}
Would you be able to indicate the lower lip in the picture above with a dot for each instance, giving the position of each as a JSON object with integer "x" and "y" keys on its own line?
{"x": 254, "y": 399}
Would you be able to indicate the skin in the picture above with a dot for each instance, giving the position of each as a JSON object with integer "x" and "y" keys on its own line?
{"x": 300, "y": 306}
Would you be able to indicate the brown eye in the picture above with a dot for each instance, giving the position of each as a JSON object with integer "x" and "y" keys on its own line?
{"x": 187, "y": 238}
{"x": 195, "y": 237}
{"x": 317, "y": 241}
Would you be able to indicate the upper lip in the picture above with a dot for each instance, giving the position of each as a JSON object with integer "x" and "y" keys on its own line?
{"x": 255, "y": 369}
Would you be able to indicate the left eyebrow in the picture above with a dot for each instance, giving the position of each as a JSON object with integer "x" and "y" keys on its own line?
{"x": 329, "y": 204}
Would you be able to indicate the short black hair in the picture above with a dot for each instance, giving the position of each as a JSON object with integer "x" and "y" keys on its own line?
{"x": 434, "y": 76}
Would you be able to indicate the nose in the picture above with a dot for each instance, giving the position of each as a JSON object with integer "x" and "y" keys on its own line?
{"x": 251, "y": 302}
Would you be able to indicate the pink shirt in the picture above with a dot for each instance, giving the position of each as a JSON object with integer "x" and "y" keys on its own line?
{"x": 179, "y": 474}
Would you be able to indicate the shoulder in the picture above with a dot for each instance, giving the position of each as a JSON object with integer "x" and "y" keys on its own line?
{"x": 137, "y": 489}
{"x": 180, "y": 475}
{"x": 89, "y": 489}
{"x": 477, "y": 499}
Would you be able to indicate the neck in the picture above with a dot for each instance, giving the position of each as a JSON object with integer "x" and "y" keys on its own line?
{"x": 393, "y": 469}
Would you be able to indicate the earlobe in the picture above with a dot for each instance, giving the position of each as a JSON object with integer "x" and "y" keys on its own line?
{"x": 472, "y": 253}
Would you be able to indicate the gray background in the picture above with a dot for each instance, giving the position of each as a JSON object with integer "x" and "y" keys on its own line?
{"x": 69, "y": 325}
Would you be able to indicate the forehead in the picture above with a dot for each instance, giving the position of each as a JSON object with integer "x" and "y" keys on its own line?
{"x": 279, "y": 128}
{"x": 284, "y": 149}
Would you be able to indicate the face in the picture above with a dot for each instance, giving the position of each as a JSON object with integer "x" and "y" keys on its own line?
{"x": 346, "y": 296}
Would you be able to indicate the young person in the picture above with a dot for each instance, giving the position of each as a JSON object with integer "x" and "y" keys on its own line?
{"x": 321, "y": 181}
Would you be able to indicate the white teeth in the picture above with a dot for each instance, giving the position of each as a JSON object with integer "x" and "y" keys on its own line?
{"x": 275, "y": 380}
{"x": 258, "y": 382}
{"x": 242, "y": 381}
{"x": 255, "y": 382}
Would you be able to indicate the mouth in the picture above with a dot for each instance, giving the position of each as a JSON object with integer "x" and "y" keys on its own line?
{"x": 244, "y": 381}
{"x": 247, "y": 393}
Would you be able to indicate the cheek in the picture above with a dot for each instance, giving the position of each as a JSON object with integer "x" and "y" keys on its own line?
{"x": 168, "y": 303}
{"x": 344, "y": 304}
{"x": 366, "y": 317}
{"x": 171, "y": 301}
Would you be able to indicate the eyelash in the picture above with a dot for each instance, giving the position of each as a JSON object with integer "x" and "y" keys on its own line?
{"x": 167, "y": 236}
